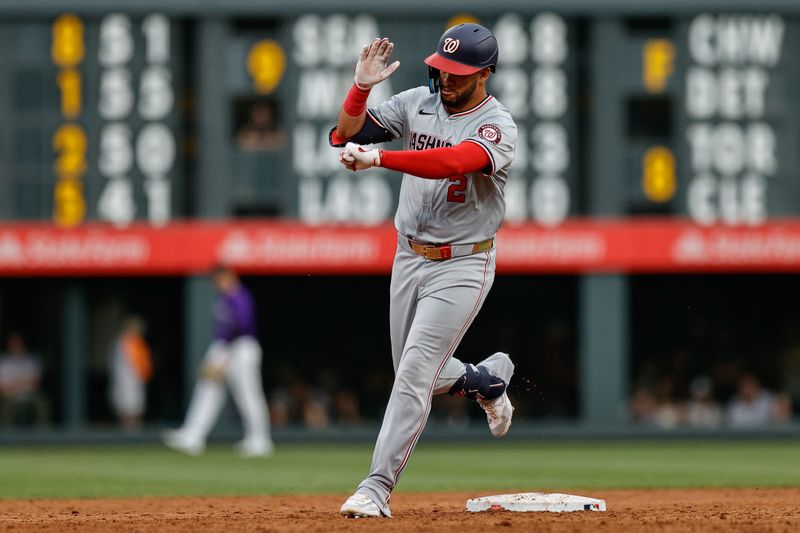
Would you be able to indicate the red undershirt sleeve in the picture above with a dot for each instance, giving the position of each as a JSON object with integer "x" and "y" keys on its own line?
{"x": 439, "y": 163}
{"x": 335, "y": 140}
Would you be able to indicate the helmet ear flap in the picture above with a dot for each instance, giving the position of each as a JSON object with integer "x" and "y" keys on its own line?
{"x": 433, "y": 80}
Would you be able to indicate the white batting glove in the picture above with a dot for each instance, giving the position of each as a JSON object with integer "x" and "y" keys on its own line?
{"x": 371, "y": 68}
{"x": 356, "y": 157}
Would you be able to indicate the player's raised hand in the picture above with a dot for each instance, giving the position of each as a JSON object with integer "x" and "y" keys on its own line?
{"x": 371, "y": 68}
{"x": 356, "y": 157}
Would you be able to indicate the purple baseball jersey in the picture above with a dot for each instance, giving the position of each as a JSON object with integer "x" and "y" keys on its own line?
{"x": 234, "y": 315}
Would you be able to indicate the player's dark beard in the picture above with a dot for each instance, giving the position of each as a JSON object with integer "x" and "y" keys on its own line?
{"x": 460, "y": 99}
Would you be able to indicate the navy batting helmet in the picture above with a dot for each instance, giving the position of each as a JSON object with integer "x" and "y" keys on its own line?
{"x": 465, "y": 49}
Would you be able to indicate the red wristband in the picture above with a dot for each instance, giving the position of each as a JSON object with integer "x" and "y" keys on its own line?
{"x": 356, "y": 101}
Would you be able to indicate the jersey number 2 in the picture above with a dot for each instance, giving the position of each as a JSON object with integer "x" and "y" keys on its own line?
{"x": 455, "y": 192}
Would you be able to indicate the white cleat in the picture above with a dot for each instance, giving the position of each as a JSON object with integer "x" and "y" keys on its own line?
{"x": 498, "y": 413}
{"x": 178, "y": 441}
{"x": 250, "y": 449}
{"x": 360, "y": 506}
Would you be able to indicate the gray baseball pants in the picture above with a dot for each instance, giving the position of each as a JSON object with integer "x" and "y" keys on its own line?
{"x": 432, "y": 305}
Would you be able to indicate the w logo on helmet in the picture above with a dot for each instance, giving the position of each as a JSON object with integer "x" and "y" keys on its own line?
{"x": 450, "y": 45}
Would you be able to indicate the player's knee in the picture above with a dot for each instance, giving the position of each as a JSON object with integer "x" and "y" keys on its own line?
{"x": 413, "y": 379}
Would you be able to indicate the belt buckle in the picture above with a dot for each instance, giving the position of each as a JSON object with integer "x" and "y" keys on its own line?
{"x": 445, "y": 252}
{"x": 430, "y": 251}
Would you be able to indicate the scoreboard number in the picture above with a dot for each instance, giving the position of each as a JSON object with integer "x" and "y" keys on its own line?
{"x": 550, "y": 157}
{"x": 153, "y": 148}
{"x": 156, "y": 32}
{"x": 69, "y": 140}
{"x": 116, "y": 156}
{"x": 266, "y": 62}
{"x": 116, "y": 42}
{"x": 67, "y": 48}
{"x": 532, "y": 83}
{"x": 70, "y": 143}
{"x": 116, "y": 202}
{"x": 116, "y": 94}
{"x": 156, "y": 98}
{"x": 69, "y": 86}
{"x": 658, "y": 177}
{"x": 70, "y": 207}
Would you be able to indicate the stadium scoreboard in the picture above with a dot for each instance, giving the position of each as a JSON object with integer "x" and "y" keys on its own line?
{"x": 91, "y": 125}
{"x": 100, "y": 112}
{"x": 738, "y": 117}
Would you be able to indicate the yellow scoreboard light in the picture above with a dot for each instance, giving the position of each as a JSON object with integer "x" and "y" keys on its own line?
{"x": 67, "y": 51}
{"x": 658, "y": 174}
{"x": 67, "y": 48}
{"x": 266, "y": 63}
{"x": 462, "y": 18}
{"x": 69, "y": 141}
{"x": 69, "y": 84}
{"x": 70, "y": 206}
{"x": 658, "y": 64}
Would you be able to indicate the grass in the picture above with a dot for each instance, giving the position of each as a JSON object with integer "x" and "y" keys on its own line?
{"x": 128, "y": 471}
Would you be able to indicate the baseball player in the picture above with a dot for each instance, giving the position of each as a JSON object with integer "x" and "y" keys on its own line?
{"x": 130, "y": 368}
{"x": 234, "y": 355}
{"x": 459, "y": 144}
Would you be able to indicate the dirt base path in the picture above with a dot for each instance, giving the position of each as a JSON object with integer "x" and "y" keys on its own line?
{"x": 628, "y": 510}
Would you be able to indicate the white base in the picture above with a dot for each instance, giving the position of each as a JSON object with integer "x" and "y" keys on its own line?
{"x": 535, "y": 501}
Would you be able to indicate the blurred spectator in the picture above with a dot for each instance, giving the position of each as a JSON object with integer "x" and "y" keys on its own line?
{"x": 298, "y": 402}
{"x": 668, "y": 413}
{"x": 346, "y": 407}
{"x": 279, "y": 408}
{"x": 752, "y": 406}
{"x": 782, "y": 409}
{"x": 315, "y": 412}
{"x": 22, "y": 402}
{"x": 260, "y": 130}
{"x": 790, "y": 364}
{"x": 655, "y": 405}
{"x": 643, "y": 406}
{"x": 702, "y": 411}
{"x": 131, "y": 367}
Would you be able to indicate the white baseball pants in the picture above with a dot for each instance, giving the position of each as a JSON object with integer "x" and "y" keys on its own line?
{"x": 241, "y": 360}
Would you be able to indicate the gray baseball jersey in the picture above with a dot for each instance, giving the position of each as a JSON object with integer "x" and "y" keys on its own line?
{"x": 433, "y": 303}
{"x": 462, "y": 209}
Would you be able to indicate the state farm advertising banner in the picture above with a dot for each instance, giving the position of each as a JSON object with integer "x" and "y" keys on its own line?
{"x": 290, "y": 248}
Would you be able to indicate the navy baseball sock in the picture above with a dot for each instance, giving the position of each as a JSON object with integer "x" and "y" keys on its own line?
{"x": 476, "y": 383}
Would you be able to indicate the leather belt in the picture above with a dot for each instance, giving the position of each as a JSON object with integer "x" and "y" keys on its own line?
{"x": 440, "y": 252}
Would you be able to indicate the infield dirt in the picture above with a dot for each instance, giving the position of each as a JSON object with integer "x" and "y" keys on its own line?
{"x": 748, "y": 510}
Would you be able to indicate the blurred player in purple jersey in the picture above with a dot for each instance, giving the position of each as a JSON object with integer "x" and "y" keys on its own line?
{"x": 234, "y": 356}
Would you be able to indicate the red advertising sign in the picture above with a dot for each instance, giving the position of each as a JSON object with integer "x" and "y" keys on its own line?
{"x": 287, "y": 247}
